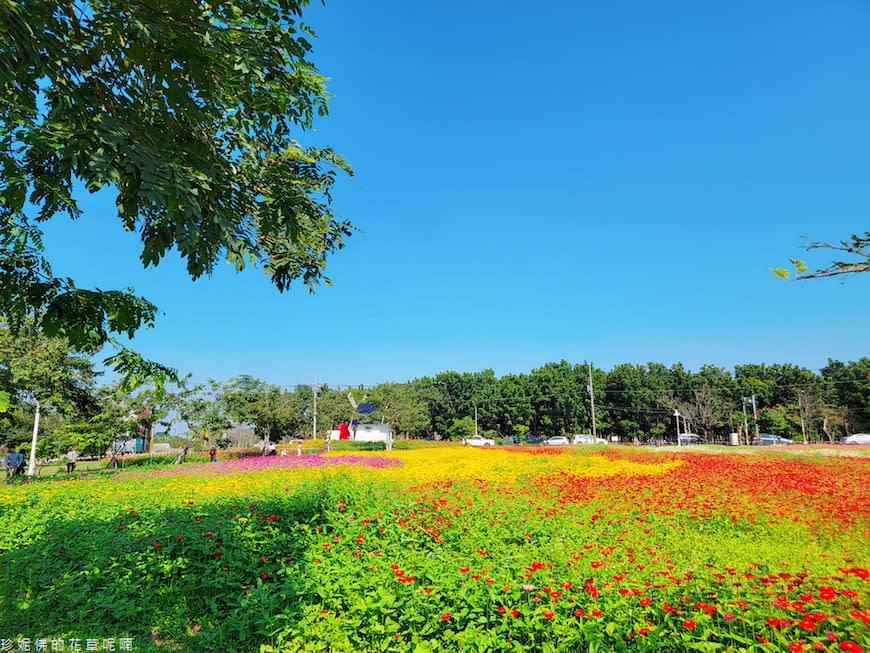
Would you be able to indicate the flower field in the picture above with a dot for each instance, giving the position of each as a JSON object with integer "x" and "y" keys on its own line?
{"x": 446, "y": 549}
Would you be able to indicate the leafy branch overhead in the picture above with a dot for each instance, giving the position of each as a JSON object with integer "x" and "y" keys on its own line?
{"x": 191, "y": 113}
{"x": 856, "y": 246}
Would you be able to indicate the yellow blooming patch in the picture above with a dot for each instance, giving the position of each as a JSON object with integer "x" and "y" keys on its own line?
{"x": 421, "y": 466}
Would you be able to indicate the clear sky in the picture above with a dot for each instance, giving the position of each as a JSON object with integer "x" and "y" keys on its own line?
{"x": 581, "y": 180}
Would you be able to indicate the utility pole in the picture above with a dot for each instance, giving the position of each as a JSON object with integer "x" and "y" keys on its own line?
{"x": 755, "y": 417}
{"x": 677, "y": 418}
{"x": 475, "y": 419}
{"x": 592, "y": 399}
{"x": 315, "y": 388}
{"x": 745, "y": 423}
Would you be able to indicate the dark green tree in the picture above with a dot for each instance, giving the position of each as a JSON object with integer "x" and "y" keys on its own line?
{"x": 559, "y": 398}
{"x": 38, "y": 375}
{"x": 270, "y": 410}
{"x": 849, "y": 385}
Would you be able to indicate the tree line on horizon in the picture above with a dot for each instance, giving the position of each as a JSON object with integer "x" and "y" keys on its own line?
{"x": 632, "y": 402}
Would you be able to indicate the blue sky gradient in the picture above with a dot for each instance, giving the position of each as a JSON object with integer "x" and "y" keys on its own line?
{"x": 606, "y": 183}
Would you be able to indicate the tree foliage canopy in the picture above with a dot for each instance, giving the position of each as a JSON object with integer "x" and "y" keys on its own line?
{"x": 190, "y": 112}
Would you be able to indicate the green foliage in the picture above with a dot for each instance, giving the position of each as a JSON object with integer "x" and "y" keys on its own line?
{"x": 266, "y": 407}
{"x": 190, "y": 111}
{"x": 780, "y": 420}
{"x": 849, "y": 385}
{"x": 461, "y": 429}
{"x": 199, "y": 408}
{"x": 35, "y": 368}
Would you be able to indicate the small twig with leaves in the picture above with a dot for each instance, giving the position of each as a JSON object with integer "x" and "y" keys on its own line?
{"x": 855, "y": 245}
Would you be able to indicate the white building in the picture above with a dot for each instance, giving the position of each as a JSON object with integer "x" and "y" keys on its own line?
{"x": 373, "y": 433}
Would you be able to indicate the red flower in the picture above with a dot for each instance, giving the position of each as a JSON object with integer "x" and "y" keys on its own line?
{"x": 514, "y": 613}
{"x": 264, "y": 575}
{"x": 579, "y": 613}
{"x": 850, "y": 647}
{"x": 596, "y": 613}
{"x": 445, "y": 616}
{"x": 688, "y": 623}
{"x": 645, "y": 601}
{"x": 643, "y": 631}
{"x": 796, "y": 647}
{"x": 502, "y": 610}
{"x": 549, "y": 614}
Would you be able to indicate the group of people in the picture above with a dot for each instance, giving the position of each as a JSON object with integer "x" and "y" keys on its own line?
{"x": 15, "y": 461}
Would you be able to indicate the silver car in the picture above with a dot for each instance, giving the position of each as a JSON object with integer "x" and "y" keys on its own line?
{"x": 478, "y": 441}
{"x": 767, "y": 439}
{"x": 858, "y": 438}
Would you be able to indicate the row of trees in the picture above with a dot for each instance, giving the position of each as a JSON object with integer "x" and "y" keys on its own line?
{"x": 631, "y": 402}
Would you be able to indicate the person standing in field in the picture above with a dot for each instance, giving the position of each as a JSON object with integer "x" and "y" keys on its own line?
{"x": 13, "y": 460}
{"x": 213, "y": 453}
{"x": 22, "y": 459}
{"x": 73, "y": 456}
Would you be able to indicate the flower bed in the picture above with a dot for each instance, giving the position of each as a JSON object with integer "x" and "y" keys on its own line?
{"x": 448, "y": 549}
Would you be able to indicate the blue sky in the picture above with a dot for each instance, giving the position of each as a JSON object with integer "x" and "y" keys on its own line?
{"x": 589, "y": 181}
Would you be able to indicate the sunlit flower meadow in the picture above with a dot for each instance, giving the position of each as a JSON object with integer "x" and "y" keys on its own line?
{"x": 447, "y": 549}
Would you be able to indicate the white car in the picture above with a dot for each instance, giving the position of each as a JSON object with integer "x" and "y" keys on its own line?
{"x": 858, "y": 438}
{"x": 588, "y": 438}
{"x": 557, "y": 441}
{"x": 478, "y": 441}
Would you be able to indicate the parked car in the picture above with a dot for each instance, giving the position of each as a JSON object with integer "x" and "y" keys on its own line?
{"x": 532, "y": 439}
{"x": 858, "y": 438}
{"x": 768, "y": 439}
{"x": 557, "y": 441}
{"x": 478, "y": 441}
{"x": 692, "y": 438}
{"x": 588, "y": 438}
